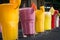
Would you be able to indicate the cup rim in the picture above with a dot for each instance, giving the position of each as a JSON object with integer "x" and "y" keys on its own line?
{"x": 25, "y": 8}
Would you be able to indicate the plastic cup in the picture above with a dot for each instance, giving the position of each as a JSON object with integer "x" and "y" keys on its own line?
{"x": 9, "y": 17}
{"x": 47, "y": 23}
{"x": 39, "y": 23}
{"x": 27, "y": 16}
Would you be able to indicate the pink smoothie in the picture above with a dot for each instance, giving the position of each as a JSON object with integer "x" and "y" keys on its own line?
{"x": 27, "y": 17}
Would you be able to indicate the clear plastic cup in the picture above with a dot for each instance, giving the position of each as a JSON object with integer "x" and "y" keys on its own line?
{"x": 47, "y": 23}
{"x": 27, "y": 16}
{"x": 9, "y": 17}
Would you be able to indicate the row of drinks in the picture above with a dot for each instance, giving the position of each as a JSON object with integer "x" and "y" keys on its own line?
{"x": 37, "y": 21}
{"x": 32, "y": 21}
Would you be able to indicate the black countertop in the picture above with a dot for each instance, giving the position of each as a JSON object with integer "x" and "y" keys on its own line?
{"x": 50, "y": 35}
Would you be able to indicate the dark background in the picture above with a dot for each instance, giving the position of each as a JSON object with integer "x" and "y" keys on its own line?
{"x": 55, "y": 3}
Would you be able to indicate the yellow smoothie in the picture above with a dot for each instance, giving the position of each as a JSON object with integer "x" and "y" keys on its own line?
{"x": 39, "y": 23}
{"x": 47, "y": 23}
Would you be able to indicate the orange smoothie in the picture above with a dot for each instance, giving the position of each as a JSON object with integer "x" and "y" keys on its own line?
{"x": 9, "y": 17}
